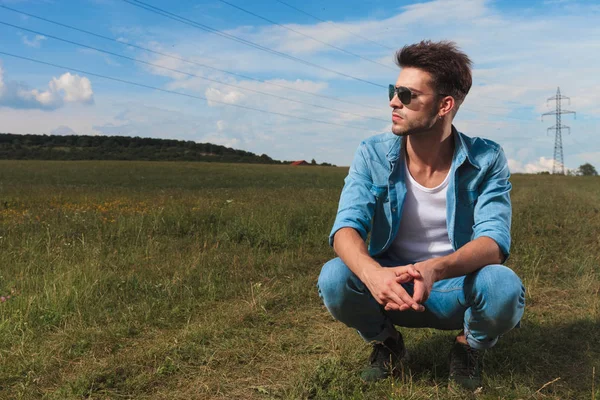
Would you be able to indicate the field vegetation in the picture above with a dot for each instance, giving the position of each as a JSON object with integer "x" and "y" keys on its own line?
{"x": 174, "y": 280}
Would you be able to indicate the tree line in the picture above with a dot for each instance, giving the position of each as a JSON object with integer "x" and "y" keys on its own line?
{"x": 586, "y": 169}
{"x": 82, "y": 147}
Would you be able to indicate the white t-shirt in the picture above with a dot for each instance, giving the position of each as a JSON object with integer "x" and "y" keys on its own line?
{"x": 423, "y": 233}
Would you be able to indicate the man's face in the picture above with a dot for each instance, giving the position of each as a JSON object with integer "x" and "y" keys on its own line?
{"x": 422, "y": 112}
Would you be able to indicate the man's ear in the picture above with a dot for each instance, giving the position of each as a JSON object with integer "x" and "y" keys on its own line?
{"x": 447, "y": 106}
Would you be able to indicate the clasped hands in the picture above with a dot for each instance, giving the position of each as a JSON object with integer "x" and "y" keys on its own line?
{"x": 385, "y": 284}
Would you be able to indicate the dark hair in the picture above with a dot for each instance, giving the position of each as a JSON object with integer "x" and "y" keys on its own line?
{"x": 449, "y": 67}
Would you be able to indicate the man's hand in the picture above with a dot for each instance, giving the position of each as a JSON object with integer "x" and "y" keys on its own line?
{"x": 424, "y": 284}
{"x": 430, "y": 270}
{"x": 384, "y": 283}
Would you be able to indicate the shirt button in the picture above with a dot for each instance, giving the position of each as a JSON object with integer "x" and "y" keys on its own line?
{"x": 394, "y": 209}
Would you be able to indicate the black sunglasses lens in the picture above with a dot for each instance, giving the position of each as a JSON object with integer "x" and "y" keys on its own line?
{"x": 404, "y": 94}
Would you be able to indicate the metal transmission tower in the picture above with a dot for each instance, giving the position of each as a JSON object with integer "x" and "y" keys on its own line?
{"x": 558, "y": 164}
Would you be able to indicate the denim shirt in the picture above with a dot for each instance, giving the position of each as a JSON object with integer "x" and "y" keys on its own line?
{"x": 477, "y": 202}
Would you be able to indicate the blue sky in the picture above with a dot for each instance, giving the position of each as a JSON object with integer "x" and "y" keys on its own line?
{"x": 522, "y": 51}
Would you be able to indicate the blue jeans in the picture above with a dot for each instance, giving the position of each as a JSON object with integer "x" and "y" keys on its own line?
{"x": 486, "y": 304}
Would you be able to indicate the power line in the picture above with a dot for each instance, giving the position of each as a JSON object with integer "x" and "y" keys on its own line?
{"x": 495, "y": 115}
{"x": 459, "y": 120}
{"x": 504, "y": 101}
{"x": 159, "y": 11}
{"x": 184, "y": 59}
{"x": 305, "y": 35}
{"x": 183, "y": 72}
{"x": 175, "y": 92}
{"x": 469, "y": 100}
{"x": 175, "y": 17}
{"x": 206, "y": 66}
{"x": 499, "y": 99}
{"x": 369, "y": 40}
{"x": 207, "y": 28}
{"x": 337, "y": 27}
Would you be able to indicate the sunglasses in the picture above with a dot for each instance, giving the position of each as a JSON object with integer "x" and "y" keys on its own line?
{"x": 404, "y": 94}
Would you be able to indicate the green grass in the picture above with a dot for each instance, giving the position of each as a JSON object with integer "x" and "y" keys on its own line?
{"x": 158, "y": 280}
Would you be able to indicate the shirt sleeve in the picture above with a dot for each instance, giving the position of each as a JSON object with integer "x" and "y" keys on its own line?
{"x": 357, "y": 202}
{"x": 493, "y": 211}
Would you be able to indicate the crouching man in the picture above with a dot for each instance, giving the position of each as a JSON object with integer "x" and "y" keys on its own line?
{"x": 436, "y": 203}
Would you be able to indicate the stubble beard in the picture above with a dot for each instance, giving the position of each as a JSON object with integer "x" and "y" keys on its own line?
{"x": 414, "y": 127}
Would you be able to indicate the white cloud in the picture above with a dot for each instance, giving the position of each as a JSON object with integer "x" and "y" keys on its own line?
{"x": 35, "y": 42}
{"x": 107, "y": 59}
{"x": 543, "y": 164}
{"x": 216, "y": 97}
{"x": 440, "y": 11}
{"x": 67, "y": 88}
{"x": 74, "y": 88}
{"x": 554, "y": 2}
{"x": 222, "y": 140}
{"x": 588, "y": 157}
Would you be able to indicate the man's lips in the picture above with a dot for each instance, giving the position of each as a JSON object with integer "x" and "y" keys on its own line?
{"x": 396, "y": 117}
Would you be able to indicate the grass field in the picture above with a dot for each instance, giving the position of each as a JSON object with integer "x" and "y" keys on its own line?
{"x": 132, "y": 280}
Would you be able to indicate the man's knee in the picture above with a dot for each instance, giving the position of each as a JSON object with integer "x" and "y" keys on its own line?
{"x": 500, "y": 291}
{"x": 501, "y": 282}
{"x": 337, "y": 285}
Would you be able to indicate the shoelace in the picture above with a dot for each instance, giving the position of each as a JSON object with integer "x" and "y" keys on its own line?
{"x": 377, "y": 352}
{"x": 467, "y": 363}
{"x": 382, "y": 352}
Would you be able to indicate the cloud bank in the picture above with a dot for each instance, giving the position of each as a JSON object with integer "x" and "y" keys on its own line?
{"x": 67, "y": 88}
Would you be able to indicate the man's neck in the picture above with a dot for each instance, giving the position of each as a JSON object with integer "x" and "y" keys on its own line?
{"x": 430, "y": 152}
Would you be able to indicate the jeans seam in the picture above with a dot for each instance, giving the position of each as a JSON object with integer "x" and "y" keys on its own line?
{"x": 446, "y": 290}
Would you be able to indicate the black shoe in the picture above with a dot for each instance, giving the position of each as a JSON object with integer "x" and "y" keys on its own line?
{"x": 384, "y": 359}
{"x": 466, "y": 365}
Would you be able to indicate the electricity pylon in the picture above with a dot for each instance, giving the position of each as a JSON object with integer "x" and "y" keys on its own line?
{"x": 558, "y": 147}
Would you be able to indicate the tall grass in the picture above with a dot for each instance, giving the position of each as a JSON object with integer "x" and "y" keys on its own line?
{"x": 191, "y": 280}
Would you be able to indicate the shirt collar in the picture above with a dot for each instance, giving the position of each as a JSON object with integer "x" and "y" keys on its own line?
{"x": 461, "y": 150}
{"x": 394, "y": 152}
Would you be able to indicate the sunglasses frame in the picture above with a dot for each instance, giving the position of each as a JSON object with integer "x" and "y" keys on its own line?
{"x": 402, "y": 91}
{"x": 404, "y": 94}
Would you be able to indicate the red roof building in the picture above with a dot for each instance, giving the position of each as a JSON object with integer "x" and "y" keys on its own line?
{"x": 301, "y": 162}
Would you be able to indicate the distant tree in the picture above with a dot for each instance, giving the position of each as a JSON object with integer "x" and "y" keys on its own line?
{"x": 313, "y": 162}
{"x": 587, "y": 169}
{"x": 572, "y": 172}
{"x": 544, "y": 173}
{"x": 266, "y": 158}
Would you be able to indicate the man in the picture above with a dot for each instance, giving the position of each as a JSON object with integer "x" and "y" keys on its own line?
{"x": 437, "y": 206}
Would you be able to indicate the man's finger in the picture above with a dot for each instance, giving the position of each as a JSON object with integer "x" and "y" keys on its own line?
{"x": 419, "y": 294}
{"x": 407, "y": 269}
{"x": 394, "y": 298}
{"x": 413, "y": 272}
{"x": 405, "y": 297}
{"x": 396, "y": 307}
{"x": 404, "y": 278}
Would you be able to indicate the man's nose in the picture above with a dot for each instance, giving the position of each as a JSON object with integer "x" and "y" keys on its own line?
{"x": 395, "y": 102}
